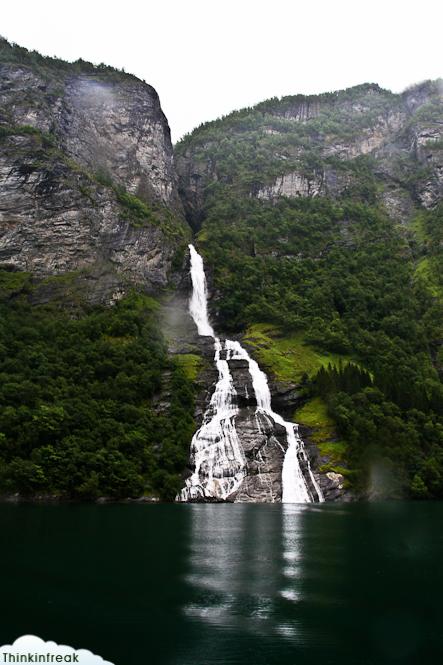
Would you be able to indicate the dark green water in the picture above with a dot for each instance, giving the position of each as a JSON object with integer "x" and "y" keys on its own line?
{"x": 227, "y": 584}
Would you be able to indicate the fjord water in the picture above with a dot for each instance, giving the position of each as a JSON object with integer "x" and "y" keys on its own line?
{"x": 220, "y": 584}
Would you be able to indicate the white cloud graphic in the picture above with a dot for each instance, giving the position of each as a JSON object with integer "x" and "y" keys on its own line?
{"x": 32, "y": 645}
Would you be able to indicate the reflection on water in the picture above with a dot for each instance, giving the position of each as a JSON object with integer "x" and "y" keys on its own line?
{"x": 243, "y": 562}
{"x": 285, "y": 584}
{"x": 292, "y": 552}
{"x": 228, "y": 584}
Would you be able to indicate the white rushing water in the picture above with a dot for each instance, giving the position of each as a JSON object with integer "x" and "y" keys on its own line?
{"x": 220, "y": 465}
{"x": 198, "y": 305}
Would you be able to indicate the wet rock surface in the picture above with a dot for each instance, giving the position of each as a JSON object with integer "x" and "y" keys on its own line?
{"x": 263, "y": 441}
{"x": 264, "y": 444}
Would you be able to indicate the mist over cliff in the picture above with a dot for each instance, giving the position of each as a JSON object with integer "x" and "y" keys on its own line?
{"x": 88, "y": 182}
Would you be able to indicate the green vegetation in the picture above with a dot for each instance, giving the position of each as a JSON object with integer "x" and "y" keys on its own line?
{"x": 429, "y": 228}
{"x": 49, "y": 67}
{"x": 289, "y": 358}
{"x": 249, "y": 148}
{"x": 329, "y": 292}
{"x": 90, "y": 402}
{"x": 190, "y": 364}
{"x": 314, "y": 414}
{"x": 77, "y": 394}
{"x": 19, "y": 130}
{"x": 427, "y": 271}
{"x": 378, "y": 430}
{"x": 13, "y": 283}
{"x": 287, "y": 264}
{"x": 278, "y": 113}
{"x": 135, "y": 210}
{"x": 141, "y": 214}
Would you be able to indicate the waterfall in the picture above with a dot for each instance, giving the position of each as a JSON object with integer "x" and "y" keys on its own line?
{"x": 198, "y": 305}
{"x": 220, "y": 464}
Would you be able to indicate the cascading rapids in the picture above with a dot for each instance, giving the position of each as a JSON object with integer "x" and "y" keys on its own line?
{"x": 216, "y": 452}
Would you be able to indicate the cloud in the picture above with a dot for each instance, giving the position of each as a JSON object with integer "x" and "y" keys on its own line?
{"x": 32, "y": 645}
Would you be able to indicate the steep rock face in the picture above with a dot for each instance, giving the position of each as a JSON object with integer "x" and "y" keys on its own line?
{"x": 87, "y": 176}
{"x": 194, "y": 175}
{"x": 119, "y": 128}
{"x": 322, "y": 146}
{"x": 292, "y": 184}
{"x": 264, "y": 445}
{"x": 326, "y": 182}
{"x": 56, "y": 221}
{"x": 110, "y": 124}
{"x": 263, "y": 442}
{"x": 303, "y": 110}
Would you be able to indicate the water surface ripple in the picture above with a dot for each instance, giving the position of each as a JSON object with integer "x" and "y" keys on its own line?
{"x": 213, "y": 584}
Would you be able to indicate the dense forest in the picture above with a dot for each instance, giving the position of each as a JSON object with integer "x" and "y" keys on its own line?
{"x": 92, "y": 404}
{"x": 77, "y": 389}
{"x": 336, "y": 267}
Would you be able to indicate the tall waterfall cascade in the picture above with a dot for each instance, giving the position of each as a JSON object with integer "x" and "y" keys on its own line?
{"x": 216, "y": 451}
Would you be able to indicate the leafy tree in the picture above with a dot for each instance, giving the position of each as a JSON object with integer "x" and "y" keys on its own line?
{"x": 77, "y": 416}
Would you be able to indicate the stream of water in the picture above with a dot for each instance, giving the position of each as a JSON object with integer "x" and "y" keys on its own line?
{"x": 216, "y": 451}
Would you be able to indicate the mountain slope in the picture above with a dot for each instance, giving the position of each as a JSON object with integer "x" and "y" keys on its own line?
{"x": 365, "y": 138}
{"x": 88, "y": 183}
{"x": 92, "y": 402}
{"x": 320, "y": 220}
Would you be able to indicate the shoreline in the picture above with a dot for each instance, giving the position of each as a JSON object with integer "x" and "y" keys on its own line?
{"x": 55, "y": 499}
{"x": 51, "y": 499}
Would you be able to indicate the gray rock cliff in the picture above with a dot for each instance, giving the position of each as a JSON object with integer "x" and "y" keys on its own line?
{"x": 87, "y": 179}
{"x": 325, "y": 145}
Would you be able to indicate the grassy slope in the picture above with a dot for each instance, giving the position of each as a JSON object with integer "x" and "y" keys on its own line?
{"x": 190, "y": 363}
{"x": 288, "y": 358}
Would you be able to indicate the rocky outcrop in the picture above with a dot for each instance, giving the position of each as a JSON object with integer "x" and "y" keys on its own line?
{"x": 263, "y": 442}
{"x": 106, "y": 121}
{"x": 323, "y": 145}
{"x": 293, "y": 184}
{"x": 326, "y": 182}
{"x": 54, "y": 220}
{"x": 87, "y": 180}
{"x": 264, "y": 445}
{"x": 428, "y": 148}
{"x": 194, "y": 175}
{"x": 119, "y": 129}
{"x": 301, "y": 109}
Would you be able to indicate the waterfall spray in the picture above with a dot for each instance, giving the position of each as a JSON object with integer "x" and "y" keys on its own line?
{"x": 219, "y": 461}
